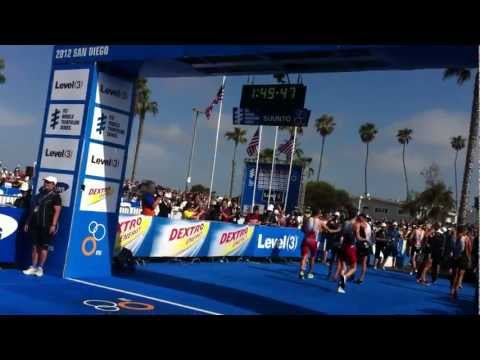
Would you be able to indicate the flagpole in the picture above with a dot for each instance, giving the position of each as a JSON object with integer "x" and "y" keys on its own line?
{"x": 290, "y": 171}
{"x": 256, "y": 168}
{"x": 273, "y": 166}
{"x": 216, "y": 144}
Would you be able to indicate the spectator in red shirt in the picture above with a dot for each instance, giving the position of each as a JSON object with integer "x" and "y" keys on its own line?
{"x": 226, "y": 212}
{"x": 253, "y": 218}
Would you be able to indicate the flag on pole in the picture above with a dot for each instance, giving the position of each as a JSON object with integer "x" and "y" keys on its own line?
{"x": 215, "y": 101}
{"x": 253, "y": 145}
{"x": 287, "y": 148}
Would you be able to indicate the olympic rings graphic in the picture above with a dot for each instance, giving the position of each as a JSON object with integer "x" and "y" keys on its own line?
{"x": 98, "y": 233}
{"x": 111, "y": 306}
{"x": 133, "y": 305}
{"x": 92, "y": 240}
{"x": 102, "y": 305}
{"x": 93, "y": 229}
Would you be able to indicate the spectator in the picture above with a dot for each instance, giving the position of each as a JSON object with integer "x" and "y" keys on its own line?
{"x": 165, "y": 205}
{"x": 269, "y": 217}
{"x": 23, "y": 201}
{"x": 214, "y": 213}
{"x": 226, "y": 212}
{"x": 149, "y": 202}
{"x": 253, "y": 218}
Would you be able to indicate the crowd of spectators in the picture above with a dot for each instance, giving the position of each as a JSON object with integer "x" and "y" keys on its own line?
{"x": 13, "y": 179}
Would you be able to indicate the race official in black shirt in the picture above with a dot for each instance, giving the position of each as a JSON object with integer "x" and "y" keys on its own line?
{"x": 42, "y": 224}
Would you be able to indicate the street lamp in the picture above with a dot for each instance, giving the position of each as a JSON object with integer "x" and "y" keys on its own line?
{"x": 366, "y": 196}
{"x": 196, "y": 112}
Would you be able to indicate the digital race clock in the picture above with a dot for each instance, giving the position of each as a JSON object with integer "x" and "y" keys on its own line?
{"x": 278, "y": 96}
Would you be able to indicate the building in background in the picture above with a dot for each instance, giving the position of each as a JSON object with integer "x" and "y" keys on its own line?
{"x": 380, "y": 209}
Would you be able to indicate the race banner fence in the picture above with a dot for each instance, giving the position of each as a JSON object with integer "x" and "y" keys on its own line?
{"x": 149, "y": 236}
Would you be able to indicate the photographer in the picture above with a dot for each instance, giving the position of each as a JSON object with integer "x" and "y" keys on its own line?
{"x": 165, "y": 204}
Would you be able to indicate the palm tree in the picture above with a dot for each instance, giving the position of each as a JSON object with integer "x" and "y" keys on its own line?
{"x": 238, "y": 137}
{"x": 303, "y": 161}
{"x": 2, "y": 66}
{"x": 404, "y": 136}
{"x": 143, "y": 105}
{"x": 463, "y": 75}
{"x": 325, "y": 125}
{"x": 458, "y": 143}
{"x": 367, "y": 133}
{"x": 266, "y": 155}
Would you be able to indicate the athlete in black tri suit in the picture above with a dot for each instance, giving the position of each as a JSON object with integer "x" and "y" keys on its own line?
{"x": 333, "y": 241}
{"x": 364, "y": 249}
{"x": 462, "y": 259}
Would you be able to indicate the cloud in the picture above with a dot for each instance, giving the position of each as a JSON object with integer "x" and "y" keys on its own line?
{"x": 434, "y": 127}
{"x": 430, "y": 143}
{"x": 390, "y": 161}
{"x": 153, "y": 151}
{"x": 168, "y": 134}
{"x": 15, "y": 119}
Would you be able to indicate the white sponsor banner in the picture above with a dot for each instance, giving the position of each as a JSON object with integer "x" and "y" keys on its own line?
{"x": 63, "y": 187}
{"x": 8, "y": 226}
{"x": 179, "y": 238}
{"x": 131, "y": 232}
{"x": 99, "y": 196}
{"x": 59, "y": 153}
{"x": 64, "y": 119}
{"x": 109, "y": 126}
{"x": 229, "y": 240}
{"x": 70, "y": 84}
{"x": 114, "y": 92}
{"x": 104, "y": 161}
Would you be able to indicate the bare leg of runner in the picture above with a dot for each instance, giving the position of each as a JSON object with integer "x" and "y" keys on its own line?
{"x": 364, "y": 270}
{"x": 34, "y": 256}
{"x": 427, "y": 266}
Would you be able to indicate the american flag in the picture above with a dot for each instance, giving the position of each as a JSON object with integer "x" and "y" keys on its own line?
{"x": 287, "y": 148}
{"x": 215, "y": 101}
{"x": 253, "y": 145}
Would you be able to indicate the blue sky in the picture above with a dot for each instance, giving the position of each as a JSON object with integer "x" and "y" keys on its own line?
{"x": 435, "y": 109}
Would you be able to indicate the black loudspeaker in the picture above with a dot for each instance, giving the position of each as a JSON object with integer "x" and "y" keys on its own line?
{"x": 29, "y": 171}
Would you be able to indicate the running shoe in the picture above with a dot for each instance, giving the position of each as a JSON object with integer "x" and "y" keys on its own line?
{"x": 310, "y": 276}
{"x": 340, "y": 290}
{"x": 30, "y": 271}
{"x": 301, "y": 275}
{"x": 39, "y": 272}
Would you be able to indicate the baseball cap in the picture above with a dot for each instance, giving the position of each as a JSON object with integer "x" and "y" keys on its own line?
{"x": 51, "y": 179}
{"x": 336, "y": 213}
{"x": 270, "y": 207}
{"x": 395, "y": 223}
{"x": 384, "y": 225}
{"x": 24, "y": 187}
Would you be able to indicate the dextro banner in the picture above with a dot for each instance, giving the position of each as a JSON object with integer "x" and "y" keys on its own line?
{"x": 99, "y": 196}
{"x": 158, "y": 237}
{"x": 229, "y": 239}
{"x": 179, "y": 238}
{"x": 131, "y": 233}
{"x": 149, "y": 236}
